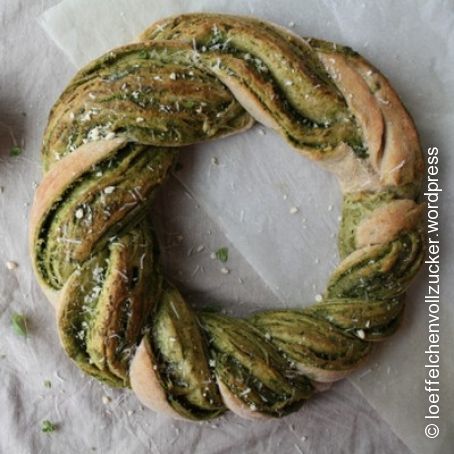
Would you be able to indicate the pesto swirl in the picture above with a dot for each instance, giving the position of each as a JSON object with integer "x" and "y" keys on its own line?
{"x": 111, "y": 141}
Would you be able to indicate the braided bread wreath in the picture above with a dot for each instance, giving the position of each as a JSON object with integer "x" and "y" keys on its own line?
{"x": 113, "y": 137}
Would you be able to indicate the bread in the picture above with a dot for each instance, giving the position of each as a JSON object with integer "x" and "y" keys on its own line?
{"x": 112, "y": 139}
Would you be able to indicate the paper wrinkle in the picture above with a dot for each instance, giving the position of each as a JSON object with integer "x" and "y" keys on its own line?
{"x": 293, "y": 257}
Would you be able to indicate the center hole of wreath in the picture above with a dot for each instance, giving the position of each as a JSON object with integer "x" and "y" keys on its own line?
{"x": 275, "y": 211}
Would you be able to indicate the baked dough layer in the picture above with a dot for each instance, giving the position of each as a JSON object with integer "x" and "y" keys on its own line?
{"x": 112, "y": 139}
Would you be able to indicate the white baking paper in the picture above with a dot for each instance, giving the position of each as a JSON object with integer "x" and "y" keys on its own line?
{"x": 252, "y": 192}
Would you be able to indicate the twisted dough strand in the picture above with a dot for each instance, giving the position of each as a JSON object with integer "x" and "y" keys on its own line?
{"x": 112, "y": 139}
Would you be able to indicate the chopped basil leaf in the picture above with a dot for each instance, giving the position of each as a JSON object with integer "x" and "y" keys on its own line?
{"x": 222, "y": 254}
{"x": 19, "y": 324}
{"x": 47, "y": 384}
{"x": 48, "y": 426}
{"x": 143, "y": 55}
{"x": 15, "y": 151}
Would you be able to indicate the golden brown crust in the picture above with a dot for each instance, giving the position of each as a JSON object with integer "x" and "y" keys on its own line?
{"x": 237, "y": 406}
{"x": 324, "y": 375}
{"x": 361, "y": 102}
{"x": 401, "y": 162}
{"x": 352, "y": 172}
{"x": 391, "y": 137}
{"x": 53, "y": 184}
{"x": 61, "y": 176}
{"x": 386, "y": 222}
{"x": 249, "y": 102}
{"x": 145, "y": 381}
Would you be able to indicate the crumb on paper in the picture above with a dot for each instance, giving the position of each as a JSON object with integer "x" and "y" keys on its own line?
{"x": 11, "y": 265}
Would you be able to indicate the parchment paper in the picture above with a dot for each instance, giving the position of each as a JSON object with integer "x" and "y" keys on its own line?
{"x": 88, "y": 416}
{"x": 293, "y": 254}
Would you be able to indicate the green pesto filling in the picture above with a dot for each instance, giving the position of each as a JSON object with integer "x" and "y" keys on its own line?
{"x": 317, "y": 135}
{"x": 76, "y": 317}
{"x": 252, "y": 368}
{"x": 182, "y": 356}
{"x": 255, "y": 394}
{"x": 138, "y": 159}
{"x": 105, "y": 305}
{"x": 355, "y": 208}
{"x": 164, "y": 122}
{"x": 220, "y": 41}
{"x": 50, "y": 217}
{"x": 384, "y": 272}
{"x": 309, "y": 341}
